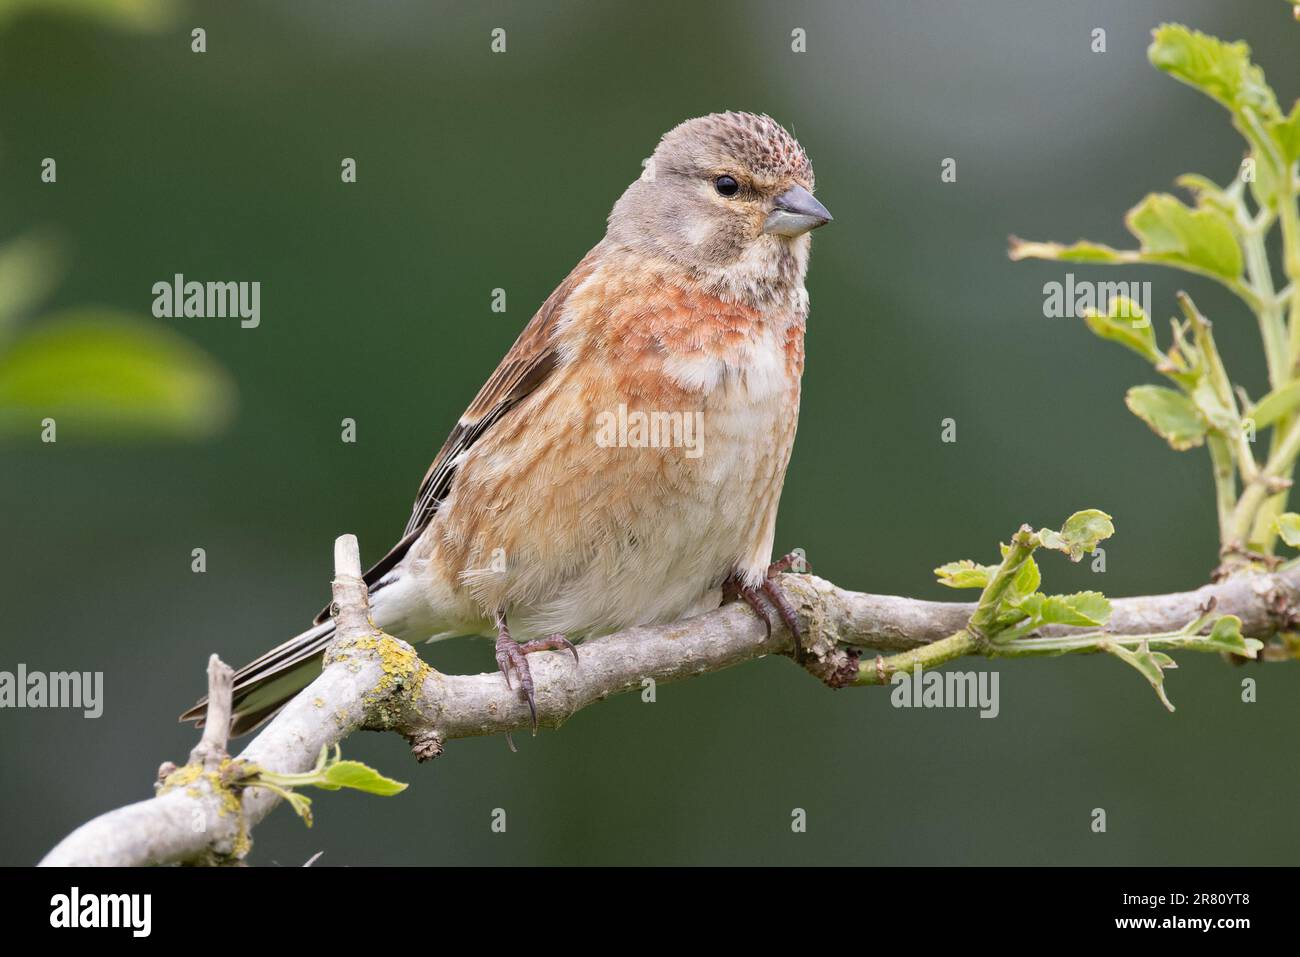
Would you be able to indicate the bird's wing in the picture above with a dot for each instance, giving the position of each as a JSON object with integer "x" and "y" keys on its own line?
{"x": 529, "y": 361}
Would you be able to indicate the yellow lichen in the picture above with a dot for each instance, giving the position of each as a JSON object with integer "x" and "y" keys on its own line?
{"x": 404, "y": 675}
{"x": 181, "y": 777}
{"x": 223, "y": 784}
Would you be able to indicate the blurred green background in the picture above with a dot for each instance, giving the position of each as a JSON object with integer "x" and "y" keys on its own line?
{"x": 479, "y": 171}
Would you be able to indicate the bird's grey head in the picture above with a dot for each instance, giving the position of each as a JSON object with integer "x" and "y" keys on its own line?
{"x": 724, "y": 192}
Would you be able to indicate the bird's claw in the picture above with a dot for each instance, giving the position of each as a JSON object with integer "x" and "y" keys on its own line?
{"x": 512, "y": 655}
{"x": 771, "y": 590}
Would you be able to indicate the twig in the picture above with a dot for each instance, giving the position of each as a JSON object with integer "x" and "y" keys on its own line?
{"x": 211, "y": 749}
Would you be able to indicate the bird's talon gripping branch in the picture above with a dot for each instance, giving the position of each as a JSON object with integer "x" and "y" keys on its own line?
{"x": 776, "y": 595}
{"x": 771, "y": 590}
{"x": 735, "y": 588}
{"x": 513, "y": 655}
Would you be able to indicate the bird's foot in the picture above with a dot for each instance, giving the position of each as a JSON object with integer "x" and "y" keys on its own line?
{"x": 758, "y": 598}
{"x": 512, "y": 656}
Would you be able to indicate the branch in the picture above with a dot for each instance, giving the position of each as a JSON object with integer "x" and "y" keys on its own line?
{"x": 372, "y": 681}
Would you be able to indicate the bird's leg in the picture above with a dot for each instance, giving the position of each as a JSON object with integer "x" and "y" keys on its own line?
{"x": 512, "y": 655}
{"x": 734, "y": 587}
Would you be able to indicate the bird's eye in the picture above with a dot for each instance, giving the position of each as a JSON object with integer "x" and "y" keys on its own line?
{"x": 726, "y": 186}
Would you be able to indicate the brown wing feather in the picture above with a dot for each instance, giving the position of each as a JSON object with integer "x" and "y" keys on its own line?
{"x": 527, "y": 364}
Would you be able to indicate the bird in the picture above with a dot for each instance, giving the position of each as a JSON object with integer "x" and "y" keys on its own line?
{"x": 624, "y": 463}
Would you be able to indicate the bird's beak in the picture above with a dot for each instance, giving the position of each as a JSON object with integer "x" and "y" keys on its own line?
{"x": 795, "y": 212}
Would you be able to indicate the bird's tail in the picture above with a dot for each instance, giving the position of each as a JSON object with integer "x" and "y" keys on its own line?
{"x": 264, "y": 686}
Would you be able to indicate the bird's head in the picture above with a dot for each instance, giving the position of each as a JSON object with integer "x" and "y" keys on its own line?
{"x": 727, "y": 192}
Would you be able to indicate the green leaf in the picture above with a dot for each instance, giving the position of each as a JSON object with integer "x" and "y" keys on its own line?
{"x": 1276, "y": 404}
{"x": 1170, "y": 234}
{"x": 1220, "y": 70}
{"x": 1288, "y": 526}
{"x": 105, "y": 374}
{"x": 1083, "y": 608}
{"x": 1080, "y": 252}
{"x": 1080, "y": 533}
{"x": 1206, "y": 192}
{"x": 1080, "y": 608}
{"x": 330, "y": 773}
{"x": 1226, "y": 636}
{"x": 1170, "y": 414}
{"x": 1125, "y": 323}
{"x": 1177, "y": 234}
{"x": 1025, "y": 583}
{"x": 964, "y": 574}
{"x": 1224, "y": 72}
{"x": 359, "y": 777}
{"x": 1150, "y": 665}
{"x": 1217, "y": 415}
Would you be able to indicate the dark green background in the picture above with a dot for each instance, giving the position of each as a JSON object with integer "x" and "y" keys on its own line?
{"x": 479, "y": 171}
